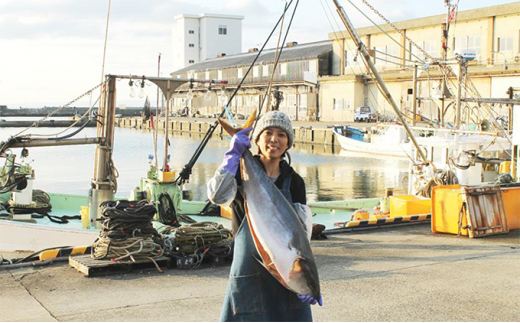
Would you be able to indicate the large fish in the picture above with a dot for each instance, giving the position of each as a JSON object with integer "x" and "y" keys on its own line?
{"x": 276, "y": 228}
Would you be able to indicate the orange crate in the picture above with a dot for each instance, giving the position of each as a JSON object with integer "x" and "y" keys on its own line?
{"x": 446, "y": 205}
{"x": 409, "y": 205}
{"x": 511, "y": 197}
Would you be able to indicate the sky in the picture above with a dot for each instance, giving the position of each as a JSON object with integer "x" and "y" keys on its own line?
{"x": 51, "y": 52}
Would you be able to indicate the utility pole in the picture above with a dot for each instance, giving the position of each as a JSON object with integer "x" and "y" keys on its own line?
{"x": 510, "y": 114}
{"x": 414, "y": 97}
{"x": 440, "y": 115}
{"x": 158, "y": 75}
{"x": 459, "y": 93}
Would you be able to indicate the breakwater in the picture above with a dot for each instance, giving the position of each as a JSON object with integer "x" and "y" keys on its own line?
{"x": 62, "y": 112}
{"x": 43, "y": 124}
{"x": 304, "y": 135}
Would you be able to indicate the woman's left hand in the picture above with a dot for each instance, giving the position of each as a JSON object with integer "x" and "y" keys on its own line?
{"x": 309, "y": 300}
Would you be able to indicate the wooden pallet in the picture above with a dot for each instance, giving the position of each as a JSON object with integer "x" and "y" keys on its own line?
{"x": 92, "y": 267}
{"x": 485, "y": 212}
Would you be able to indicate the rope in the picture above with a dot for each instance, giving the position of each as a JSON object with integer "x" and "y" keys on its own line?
{"x": 196, "y": 238}
{"x": 424, "y": 186}
{"x": 127, "y": 232}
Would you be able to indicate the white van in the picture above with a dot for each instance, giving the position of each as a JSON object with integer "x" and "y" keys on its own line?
{"x": 364, "y": 114}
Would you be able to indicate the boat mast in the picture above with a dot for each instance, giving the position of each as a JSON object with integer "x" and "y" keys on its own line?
{"x": 102, "y": 186}
{"x": 386, "y": 93}
{"x": 440, "y": 115}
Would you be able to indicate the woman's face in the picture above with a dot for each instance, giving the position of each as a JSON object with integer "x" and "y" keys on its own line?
{"x": 273, "y": 142}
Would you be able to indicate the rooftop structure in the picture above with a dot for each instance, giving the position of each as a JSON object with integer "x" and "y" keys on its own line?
{"x": 199, "y": 37}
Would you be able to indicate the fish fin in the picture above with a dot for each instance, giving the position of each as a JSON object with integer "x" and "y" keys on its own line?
{"x": 233, "y": 130}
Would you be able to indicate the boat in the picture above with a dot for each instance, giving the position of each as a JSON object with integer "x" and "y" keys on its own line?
{"x": 387, "y": 141}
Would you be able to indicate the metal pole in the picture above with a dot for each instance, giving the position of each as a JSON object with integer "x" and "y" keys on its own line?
{"x": 440, "y": 114}
{"x": 102, "y": 188}
{"x": 57, "y": 142}
{"x": 510, "y": 114}
{"x": 414, "y": 99}
{"x": 167, "y": 120}
{"x": 459, "y": 96}
{"x": 382, "y": 86}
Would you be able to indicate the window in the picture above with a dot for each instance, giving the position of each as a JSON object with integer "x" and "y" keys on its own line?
{"x": 291, "y": 100}
{"x": 191, "y": 31}
{"x": 380, "y": 55}
{"x": 313, "y": 66}
{"x": 429, "y": 46}
{"x": 393, "y": 54}
{"x": 305, "y": 66}
{"x": 459, "y": 44}
{"x": 505, "y": 44}
{"x": 219, "y": 75}
{"x": 340, "y": 104}
{"x": 222, "y": 30}
{"x": 207, "y": 76}
{"x": 283, "y": 69}
{"x": 240, "y": 73}
{"x": 303, "y": 102}
{"x": 352, "y": 58}
{"x": 265, "y": 70}
{"x": 191, "y": 45}
{"x": 386, "y": 55}
{"x": 466, "y": 42}
{"x": 191, "y": 61}
{"x": 474, "y": 43}
{"x": 256, "y": 71}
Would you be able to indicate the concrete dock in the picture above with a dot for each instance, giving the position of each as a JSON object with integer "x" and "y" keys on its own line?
{"x": 390, "y": 274}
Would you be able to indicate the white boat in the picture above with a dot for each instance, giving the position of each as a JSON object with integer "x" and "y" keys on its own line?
{"x": 390, "y": 142}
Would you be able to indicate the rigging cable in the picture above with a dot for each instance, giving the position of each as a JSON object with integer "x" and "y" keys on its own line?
{"x": 186, "y": 171}
{"x": 277, "y": 54}
{"x": 370, "y": 91}
{"x": 36, "y": 123}
{"x": 277, "y": 59}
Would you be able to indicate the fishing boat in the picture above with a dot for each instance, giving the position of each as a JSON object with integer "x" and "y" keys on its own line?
{"x": 388, "y": 141}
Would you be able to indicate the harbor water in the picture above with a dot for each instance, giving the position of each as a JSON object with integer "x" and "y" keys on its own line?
{"x": 329, "y": 173}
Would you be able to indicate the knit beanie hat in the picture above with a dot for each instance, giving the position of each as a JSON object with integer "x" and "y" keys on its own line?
{"x": 276, "y": 119}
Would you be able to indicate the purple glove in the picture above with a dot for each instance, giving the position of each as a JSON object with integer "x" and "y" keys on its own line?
{"x": 309, "y": 300}
{"x": 239, "y": 143}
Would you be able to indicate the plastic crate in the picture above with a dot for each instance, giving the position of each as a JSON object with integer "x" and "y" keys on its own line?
{"x": 402, "y": 205}
{"x": 511, "y": 197}
{"x": 446, "y": 206}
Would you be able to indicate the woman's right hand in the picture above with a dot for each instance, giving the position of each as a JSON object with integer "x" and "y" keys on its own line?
{"x": 239, "y": 143}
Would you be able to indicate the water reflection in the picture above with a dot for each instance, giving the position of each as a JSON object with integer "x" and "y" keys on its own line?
{"x": 328, "y": 174}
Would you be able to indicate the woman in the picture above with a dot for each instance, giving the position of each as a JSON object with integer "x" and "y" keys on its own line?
{"x": 252, "y": 293}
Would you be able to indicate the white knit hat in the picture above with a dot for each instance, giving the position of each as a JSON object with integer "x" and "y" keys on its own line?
{"x": 276, "y": 119}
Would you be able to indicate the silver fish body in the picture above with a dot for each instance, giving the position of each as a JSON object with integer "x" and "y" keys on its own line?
{"x": 278, "y": 232}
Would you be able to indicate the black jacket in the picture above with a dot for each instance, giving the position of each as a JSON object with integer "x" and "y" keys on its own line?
{"x": 297, "y": 189}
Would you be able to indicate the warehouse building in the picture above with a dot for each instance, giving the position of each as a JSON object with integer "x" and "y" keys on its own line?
{"x": 296, "y": 76}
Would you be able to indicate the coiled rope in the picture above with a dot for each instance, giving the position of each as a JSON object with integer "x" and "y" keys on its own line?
{"x": 200, "y": 239}
{"x": 127, "y": 232}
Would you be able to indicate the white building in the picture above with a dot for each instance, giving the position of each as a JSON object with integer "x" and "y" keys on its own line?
{"x": 199, "y": 37}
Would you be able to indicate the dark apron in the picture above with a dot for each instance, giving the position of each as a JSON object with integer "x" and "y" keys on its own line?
{"x": 253, "y": 294}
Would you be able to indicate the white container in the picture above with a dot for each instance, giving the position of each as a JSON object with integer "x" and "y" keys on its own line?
{"x": 470, "y": 176}
{"x": 25, "y": 196}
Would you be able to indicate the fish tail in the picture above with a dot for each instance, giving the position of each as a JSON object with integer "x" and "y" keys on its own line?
{"x": 233, "y": 130}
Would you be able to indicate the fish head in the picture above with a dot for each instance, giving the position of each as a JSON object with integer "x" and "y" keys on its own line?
{"x": 304, "y": 278}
